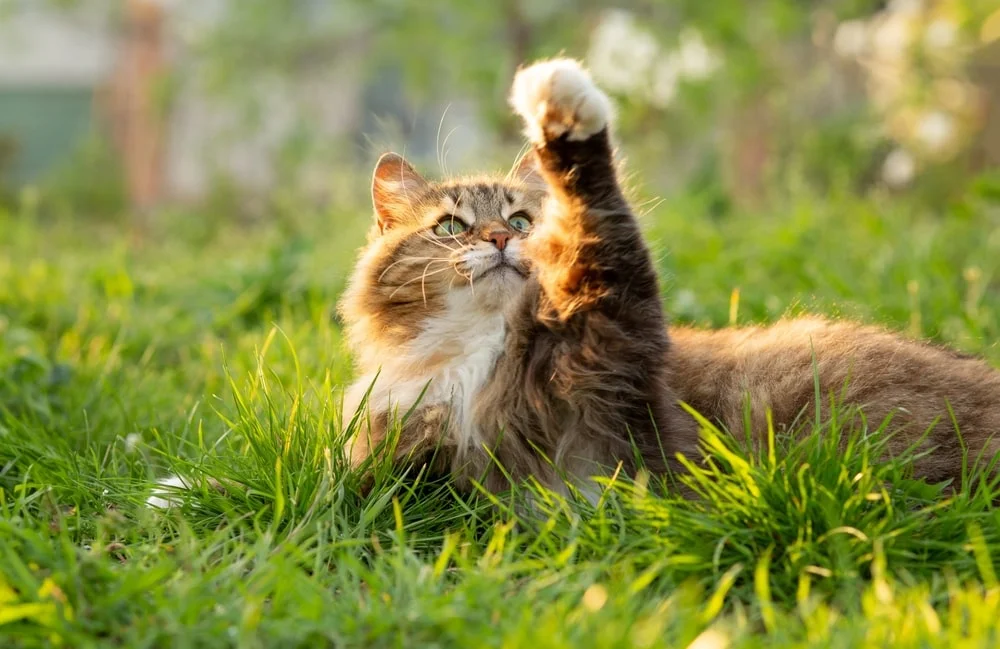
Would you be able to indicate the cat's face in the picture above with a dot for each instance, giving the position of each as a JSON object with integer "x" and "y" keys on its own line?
{"x": 442, "y": 249}
{"x": 457, "y": 234}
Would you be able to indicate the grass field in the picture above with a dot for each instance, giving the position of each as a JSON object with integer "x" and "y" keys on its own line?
{"x": 212, "y": 350}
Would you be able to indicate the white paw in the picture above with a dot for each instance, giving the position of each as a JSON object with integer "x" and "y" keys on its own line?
{"x": 556, "y": 97}
{"x": 167, "y": 492}
{"x": 166, "y": 498}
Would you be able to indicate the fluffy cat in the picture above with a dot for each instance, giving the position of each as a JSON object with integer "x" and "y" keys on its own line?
{"x": 517, "y": 321}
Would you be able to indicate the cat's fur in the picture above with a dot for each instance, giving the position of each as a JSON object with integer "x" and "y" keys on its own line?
{"x": 547, "y": 352}
{"x": 920, "y": 387}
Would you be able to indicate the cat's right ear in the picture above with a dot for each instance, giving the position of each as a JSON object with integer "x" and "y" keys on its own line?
{"x": 395, "y": 186}
{"x": 526, "y": 170}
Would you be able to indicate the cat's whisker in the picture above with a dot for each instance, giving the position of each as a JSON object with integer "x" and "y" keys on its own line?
{"x": 423, "y": 286}
{"x": 410, "y": 281}
{"x": 437, "y": 141}
{"x": 647, "y": 207}
{"x": 517, "y": 160}
{"x": 399, "y": 261}
{"x": 472, "y": 285}
{"x": 435, "y": 242}
{"x": 444, "y": 150}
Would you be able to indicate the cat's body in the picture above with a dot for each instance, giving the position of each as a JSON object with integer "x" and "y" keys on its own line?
{"x": 549, "y": 353}
{"x": 920, "y": 388}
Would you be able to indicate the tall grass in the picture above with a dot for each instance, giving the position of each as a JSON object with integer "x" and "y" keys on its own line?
{"x": 219, "y": 358}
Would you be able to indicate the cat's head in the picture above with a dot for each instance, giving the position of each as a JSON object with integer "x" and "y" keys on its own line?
{"x": 440, "y": 250}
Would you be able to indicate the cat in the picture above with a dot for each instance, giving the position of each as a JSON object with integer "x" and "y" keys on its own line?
{"x": 513, "y": 327}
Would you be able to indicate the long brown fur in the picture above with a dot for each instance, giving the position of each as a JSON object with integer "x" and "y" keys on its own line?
{"x": 557, "y": 362}
{"x": 921, "y": 389}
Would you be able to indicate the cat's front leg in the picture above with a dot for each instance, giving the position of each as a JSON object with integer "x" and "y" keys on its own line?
{"x": 588, "y": 250}
{"x": 597, "y": 364}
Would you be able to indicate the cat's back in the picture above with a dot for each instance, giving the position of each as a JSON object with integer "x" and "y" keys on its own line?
{"x": 883, "y": 372}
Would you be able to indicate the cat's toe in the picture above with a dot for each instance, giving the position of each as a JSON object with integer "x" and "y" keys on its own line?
{"x": 558, "y": 97}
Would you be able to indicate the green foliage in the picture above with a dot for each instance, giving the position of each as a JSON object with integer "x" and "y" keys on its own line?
{"x": 208, "y": 346}
{"x": 90, "y": 182}
{"x": 218, "y": 357}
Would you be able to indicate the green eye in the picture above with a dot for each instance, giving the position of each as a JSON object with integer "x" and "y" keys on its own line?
{"x": 449, "y": 227}
{"x": 520, "y": 222}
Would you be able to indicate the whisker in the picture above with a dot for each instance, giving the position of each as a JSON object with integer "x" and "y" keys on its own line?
{"x": 437, "y": 141}
{"x": 458, "y": 273}
{"x": 648, "y": 206}
{"x": 431, "y": 259}
{"x": 436, "y": 242}
{"x": 520, "y": 154}
{"x": 444, "y": 150}
{"x": 472, "y": 286}
{"x": 423, "y": 286}
{"x": 410, "y": 281}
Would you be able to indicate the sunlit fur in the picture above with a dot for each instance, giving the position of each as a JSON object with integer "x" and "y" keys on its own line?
{"x": 559, "y": 364}
{"x": 552, "y": 366}
{"x": 426, "y": 313}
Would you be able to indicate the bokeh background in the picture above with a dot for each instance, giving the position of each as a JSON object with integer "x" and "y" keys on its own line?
{"x": 115, "y": 107}
{"x": 183, "y": 189}
{"x": 835, "y": 155}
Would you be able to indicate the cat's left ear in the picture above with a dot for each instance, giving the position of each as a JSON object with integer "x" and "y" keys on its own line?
{"x": 396, "y": 186}
{"x": 526, "y": 170}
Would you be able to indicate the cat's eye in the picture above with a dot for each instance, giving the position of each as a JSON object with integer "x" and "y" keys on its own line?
{"x": 449, "y": 227}
{"x": 520, "y": 222}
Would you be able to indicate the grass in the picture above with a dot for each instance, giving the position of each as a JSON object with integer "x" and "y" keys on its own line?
{"x": 213, "y": 352}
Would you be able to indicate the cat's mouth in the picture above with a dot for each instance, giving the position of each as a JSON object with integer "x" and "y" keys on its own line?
{"x": 501, "y": 267}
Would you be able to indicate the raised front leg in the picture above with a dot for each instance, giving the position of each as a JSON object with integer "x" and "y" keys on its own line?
{"x": 594, "y": 361}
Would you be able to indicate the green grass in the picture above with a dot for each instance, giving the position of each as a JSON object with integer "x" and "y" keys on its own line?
{"x": 213, "y": 351}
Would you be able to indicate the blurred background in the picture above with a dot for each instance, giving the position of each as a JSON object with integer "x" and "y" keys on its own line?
{"x": 124, "y": 108}
{"x": 182, "y": 179}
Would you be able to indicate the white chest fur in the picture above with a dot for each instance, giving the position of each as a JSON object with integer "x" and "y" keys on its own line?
{"x": 448, "y": 363}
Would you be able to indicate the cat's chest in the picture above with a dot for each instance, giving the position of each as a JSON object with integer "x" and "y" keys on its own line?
{"x": 456, "y": 362}
{"x": 459, "y": 381}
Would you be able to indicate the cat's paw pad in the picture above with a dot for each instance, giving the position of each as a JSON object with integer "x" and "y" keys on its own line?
{"x": 558, "y": 97}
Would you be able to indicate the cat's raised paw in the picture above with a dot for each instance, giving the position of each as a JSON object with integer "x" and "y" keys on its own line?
{"x": 558, "y": 97}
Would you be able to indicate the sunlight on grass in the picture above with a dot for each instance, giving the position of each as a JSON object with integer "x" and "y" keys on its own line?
{"x": 120, "y": 366}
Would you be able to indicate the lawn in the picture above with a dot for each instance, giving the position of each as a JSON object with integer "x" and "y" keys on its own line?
{"x": 210, "y": 348}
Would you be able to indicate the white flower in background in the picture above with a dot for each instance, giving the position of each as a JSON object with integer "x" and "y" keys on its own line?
{"x": 893, "y": 47}
{"x": 851, "y": 39}
{"x": 685, "y": 301}
{"x": 621, "y": 53}
{"x": 132, "y": 441}
{"x": 935, "y": 130}
{"x": 940, "y": 35}
{"x": 899, "y": 168}
{"x": 905, "y": 6}
{"x": 666, "y": 76}
{"x": 627, "y": 59}
{"x": 892, "y": 36}
{"x": 696, "y": 61}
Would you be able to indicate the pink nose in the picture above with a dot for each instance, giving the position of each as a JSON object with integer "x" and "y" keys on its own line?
{"x": 499, "y": 239}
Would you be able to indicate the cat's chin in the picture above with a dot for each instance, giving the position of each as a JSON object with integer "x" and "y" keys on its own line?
{"x": 499, "y": 286}
{"x": 502, "y": 272}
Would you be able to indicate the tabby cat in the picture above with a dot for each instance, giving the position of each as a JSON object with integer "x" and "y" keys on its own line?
{"x": 516, "y": 322}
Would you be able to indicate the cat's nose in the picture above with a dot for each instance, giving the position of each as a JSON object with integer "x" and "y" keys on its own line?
{"x": 498, "y": 238}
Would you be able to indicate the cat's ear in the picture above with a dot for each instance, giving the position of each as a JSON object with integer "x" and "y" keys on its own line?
{"x": 526, "y": 171}
{"x": 396, "y": 185}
